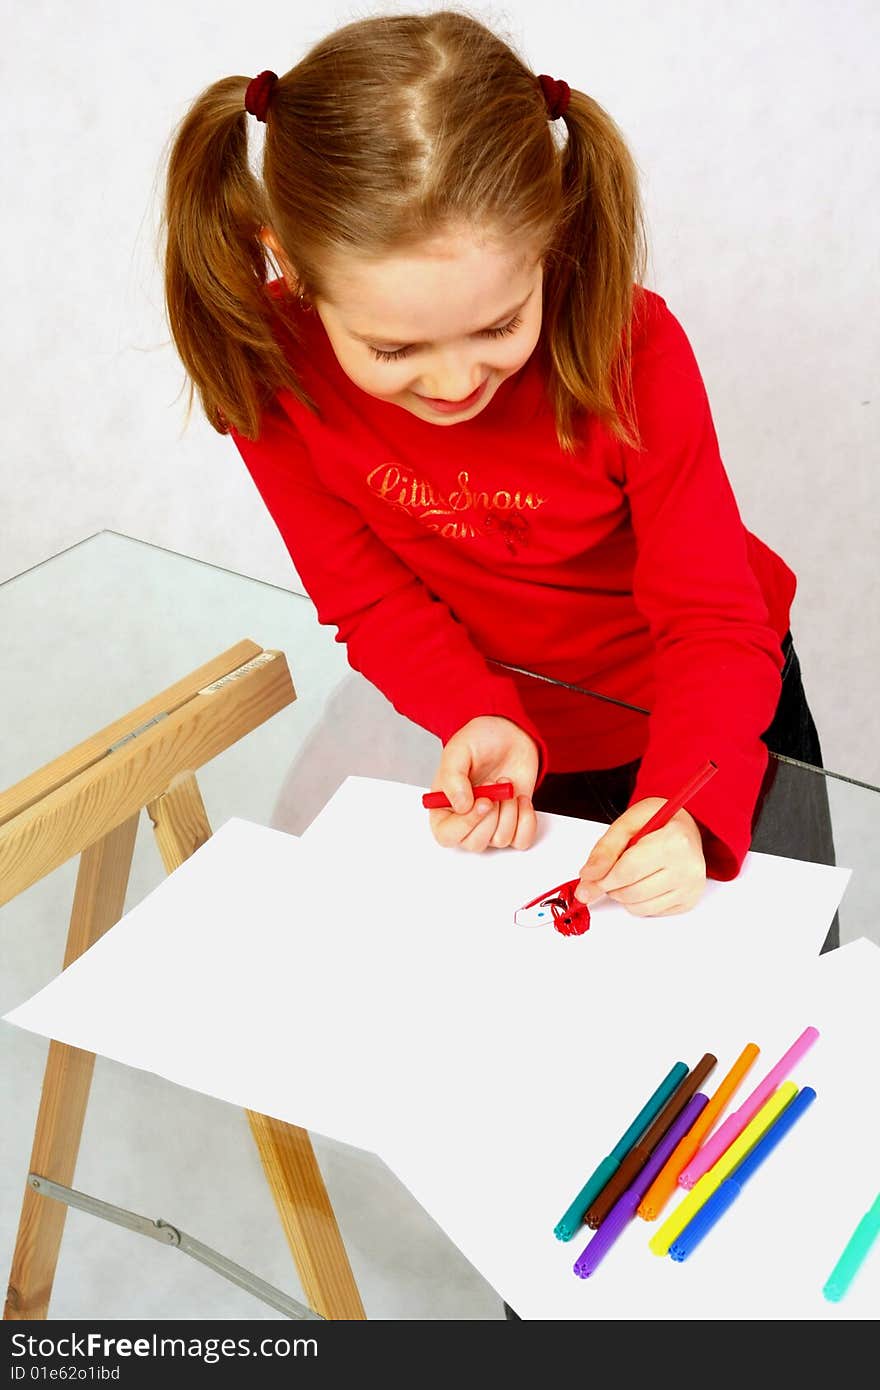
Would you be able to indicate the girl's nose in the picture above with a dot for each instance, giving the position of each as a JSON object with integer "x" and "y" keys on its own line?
{"x": 452, "y": 380}
{"x": 452, "y": 387}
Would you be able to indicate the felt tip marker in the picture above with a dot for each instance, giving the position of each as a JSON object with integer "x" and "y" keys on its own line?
{"x": 494, "y": 791}
{"x": 854, "y": 1254}
{"x": 675, "y": 803}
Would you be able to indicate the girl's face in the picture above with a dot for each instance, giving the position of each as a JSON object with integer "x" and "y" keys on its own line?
{"x": 446, "y": 324}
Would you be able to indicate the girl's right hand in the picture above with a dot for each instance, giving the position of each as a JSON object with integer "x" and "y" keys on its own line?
{"x": 487, "y": 749}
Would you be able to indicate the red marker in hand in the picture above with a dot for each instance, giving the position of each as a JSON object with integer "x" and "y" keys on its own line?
{"x": 494, "y": 791}
{"x": 675, "y": 803}
{"x": 571, "y": 917}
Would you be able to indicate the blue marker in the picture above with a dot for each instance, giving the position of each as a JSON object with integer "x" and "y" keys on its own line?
{"x": 726, "y": 1194}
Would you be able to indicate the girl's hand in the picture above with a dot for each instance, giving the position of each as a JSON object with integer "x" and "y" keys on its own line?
{"x": 487, "y": 749}
{"x": 664, "y": 873}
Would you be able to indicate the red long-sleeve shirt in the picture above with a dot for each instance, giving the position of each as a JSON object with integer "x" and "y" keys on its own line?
{"x": 630, "y": 573}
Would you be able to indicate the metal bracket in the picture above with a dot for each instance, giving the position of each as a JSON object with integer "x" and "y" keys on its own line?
{"x": 141, "y": 729}
{"x": 167, "y": 1234}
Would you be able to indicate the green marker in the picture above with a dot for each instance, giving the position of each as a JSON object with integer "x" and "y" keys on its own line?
{"x": 854, "y": 1253}
{"x": 568, "y": 1225}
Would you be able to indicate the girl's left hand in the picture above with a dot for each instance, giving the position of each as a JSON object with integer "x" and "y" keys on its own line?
{"x": 663, "y": 874}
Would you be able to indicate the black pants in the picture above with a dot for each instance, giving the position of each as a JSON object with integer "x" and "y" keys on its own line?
{"x": 792, "y": 816}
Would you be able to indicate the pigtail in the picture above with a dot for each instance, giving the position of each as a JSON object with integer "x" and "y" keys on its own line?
{"x": 215, "y": 265}
{"x": 594, "y": 267}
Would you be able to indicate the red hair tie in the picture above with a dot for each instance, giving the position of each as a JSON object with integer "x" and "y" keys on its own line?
{"x": 258, "y": 94}
{"x": 557, "y": 95}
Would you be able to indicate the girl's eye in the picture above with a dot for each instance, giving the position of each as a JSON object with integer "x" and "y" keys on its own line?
{"x": 487, "y": 333}
{"x": 389, "y": 356}
{"x": 505, "y": 328}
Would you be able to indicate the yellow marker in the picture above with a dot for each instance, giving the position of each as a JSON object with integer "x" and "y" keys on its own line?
{"x": 663, "y": 1186}
{"x": 675, "y": 1223}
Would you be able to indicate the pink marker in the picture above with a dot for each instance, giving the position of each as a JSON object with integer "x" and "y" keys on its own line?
{"x": 736, "y": 1123}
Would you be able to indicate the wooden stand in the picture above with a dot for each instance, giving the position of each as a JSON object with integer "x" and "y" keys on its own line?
{"x": 87, "y": 802}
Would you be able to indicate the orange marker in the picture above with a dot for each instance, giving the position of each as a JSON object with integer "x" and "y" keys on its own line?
{"x": 664, "y": 1184}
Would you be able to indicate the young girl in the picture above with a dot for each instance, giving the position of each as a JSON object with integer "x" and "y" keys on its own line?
{"x": 483, "y": 442}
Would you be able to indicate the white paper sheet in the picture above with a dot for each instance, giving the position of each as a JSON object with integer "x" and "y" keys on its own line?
{"x": 220, "y": 981}
{"x": 374, "y": 836}
{"x": 366, "y": 984}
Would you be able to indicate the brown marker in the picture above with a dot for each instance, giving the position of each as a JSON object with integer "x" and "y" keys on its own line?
{"x": 635, "y": 1160}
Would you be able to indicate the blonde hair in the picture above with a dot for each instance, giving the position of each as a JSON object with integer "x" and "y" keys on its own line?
{"x": 389, "y": 132}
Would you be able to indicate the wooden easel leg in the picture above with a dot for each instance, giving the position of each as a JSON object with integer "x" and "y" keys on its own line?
{"x": 307, "y": 1217}
{"x": 181, "y": 825}
{"x": 98, "y": 903}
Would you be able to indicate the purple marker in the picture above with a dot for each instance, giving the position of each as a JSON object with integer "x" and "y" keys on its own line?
{"x": 625, "y": 1207}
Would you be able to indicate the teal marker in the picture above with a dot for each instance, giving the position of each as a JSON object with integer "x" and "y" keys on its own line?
{"x": 854, "y": 1254}
{"x": 568, "y": 1225}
